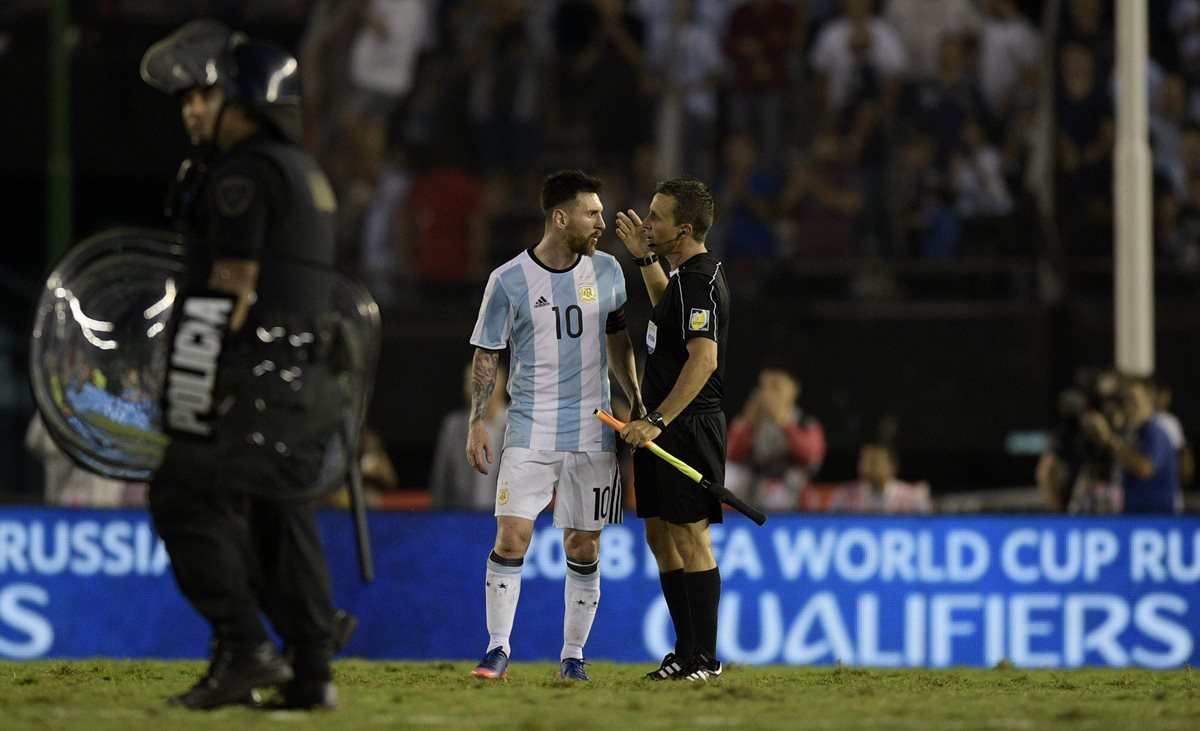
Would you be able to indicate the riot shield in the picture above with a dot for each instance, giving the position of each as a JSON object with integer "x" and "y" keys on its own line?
{"x": 290, "y": 390}
{"x": 98, "y": 346}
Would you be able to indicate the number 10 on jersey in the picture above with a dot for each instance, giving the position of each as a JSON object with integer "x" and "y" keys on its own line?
{"x": 571, "y": 318}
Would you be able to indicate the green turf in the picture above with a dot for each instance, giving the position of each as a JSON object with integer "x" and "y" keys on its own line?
{"x": 103, "y": 694}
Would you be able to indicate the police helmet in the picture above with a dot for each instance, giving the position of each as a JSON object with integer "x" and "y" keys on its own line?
{"x": 258, "y": 75}
{"x": 265, "y": 79}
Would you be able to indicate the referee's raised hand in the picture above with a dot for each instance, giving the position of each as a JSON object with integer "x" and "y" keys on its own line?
{"x": 631, "y": 233}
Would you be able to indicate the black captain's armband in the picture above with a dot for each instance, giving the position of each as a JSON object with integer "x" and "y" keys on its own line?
{"x": 616, "y": 322}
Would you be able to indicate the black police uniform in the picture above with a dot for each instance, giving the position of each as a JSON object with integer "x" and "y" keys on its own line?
{"x": 226, "y": 504}
{"x": 694, "y": 305}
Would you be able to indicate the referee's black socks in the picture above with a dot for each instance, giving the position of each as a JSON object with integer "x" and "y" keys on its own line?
{"x": 675, "y": 591}
{"x": 703, "y": 598}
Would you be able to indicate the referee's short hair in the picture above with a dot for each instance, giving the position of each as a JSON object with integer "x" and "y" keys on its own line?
{"x": 562, "y": 186}
{"x": 693, "y": 203}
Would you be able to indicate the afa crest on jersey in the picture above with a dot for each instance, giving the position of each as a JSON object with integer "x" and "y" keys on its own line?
{"x": 587, "y": 293}
{"x": 699, "y": 320}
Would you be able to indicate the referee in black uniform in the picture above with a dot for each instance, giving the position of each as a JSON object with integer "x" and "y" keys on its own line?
{"x": 248, "y": 432}
{"x": 686, "y": 341}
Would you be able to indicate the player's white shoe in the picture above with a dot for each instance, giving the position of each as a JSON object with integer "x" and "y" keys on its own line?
{"x": 670, "y": 669}
{"x": 703, "y": 667}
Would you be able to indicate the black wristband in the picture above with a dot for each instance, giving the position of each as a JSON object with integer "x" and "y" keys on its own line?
{"x": 647, "y": 260}
{"x": 656, "y": 419}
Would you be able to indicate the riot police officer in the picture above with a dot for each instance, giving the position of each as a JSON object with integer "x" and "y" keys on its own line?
{"x": 249, "y": 403}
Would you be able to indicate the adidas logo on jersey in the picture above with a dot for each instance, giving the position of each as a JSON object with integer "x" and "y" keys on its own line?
{"x": 541, "y": 302}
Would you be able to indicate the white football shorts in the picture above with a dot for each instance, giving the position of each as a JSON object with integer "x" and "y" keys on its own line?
{"x": 586, "y": 484}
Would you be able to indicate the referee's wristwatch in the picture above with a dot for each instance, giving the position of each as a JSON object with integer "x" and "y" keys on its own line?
{"x": 656, "y": 419}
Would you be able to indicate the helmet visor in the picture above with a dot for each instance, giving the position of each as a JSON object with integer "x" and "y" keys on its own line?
{"x": 187, "y": 58}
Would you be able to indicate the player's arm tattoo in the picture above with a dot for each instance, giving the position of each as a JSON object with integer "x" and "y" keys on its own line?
{"x": 483, "y": 382}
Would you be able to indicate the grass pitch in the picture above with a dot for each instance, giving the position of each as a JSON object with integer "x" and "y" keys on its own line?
{"x": 106, "y": 694}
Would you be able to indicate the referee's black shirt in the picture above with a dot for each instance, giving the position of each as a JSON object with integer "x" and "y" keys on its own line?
{"x": 695, "y": 305}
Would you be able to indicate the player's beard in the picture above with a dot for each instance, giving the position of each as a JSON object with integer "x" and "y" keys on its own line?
{"x": 584, "y": 245}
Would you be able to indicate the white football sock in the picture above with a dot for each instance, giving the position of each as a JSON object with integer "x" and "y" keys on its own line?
{"x": 581, "y": 595}
{"x": 503, "y": 588}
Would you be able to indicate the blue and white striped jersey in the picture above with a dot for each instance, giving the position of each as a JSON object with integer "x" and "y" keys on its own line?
{"x": 554, "y": 324}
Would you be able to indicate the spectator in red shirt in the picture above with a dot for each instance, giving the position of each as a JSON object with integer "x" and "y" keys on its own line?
{"x": 774, "y": 447}
{"x": 442, "y": 235}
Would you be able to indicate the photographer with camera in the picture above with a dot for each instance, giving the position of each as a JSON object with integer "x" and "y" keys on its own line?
{"x": 774, "y": 447}
{"x": 1145, "y": 458}
{"x": 1076, "y": 473}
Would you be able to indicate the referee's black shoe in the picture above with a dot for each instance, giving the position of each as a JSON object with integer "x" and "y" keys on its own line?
{"x": 237, "y": 668}
{"x": 304, "y": 695}
{"x": 703, "y": 667}
{"x": 671, "y": 668}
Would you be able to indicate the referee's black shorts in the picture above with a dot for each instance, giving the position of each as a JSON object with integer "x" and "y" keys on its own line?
{"x": 665, "y": 492}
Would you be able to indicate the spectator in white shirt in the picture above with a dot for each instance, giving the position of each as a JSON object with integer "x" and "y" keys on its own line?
{"x": 1009, "y": 51}
{"x": 921, "y": 24}
{"x": 834, "y": 61}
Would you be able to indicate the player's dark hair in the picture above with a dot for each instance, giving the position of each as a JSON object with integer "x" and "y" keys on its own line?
{"x": 693, "y": 203}
{"x": 563, "y": 185}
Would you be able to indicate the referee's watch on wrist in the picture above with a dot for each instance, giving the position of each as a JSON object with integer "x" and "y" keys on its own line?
{"x": 646, "y": 261}
{"x": 656, "y": 419}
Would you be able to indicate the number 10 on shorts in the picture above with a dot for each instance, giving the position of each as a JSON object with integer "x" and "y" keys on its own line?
{"x": 608, "y": 503}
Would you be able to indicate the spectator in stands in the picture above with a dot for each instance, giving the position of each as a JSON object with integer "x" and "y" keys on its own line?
{"x": 761, "y": 37}
{"x": 942, "y": 105}
{"x": 1168, "y": 115}
{"x": 1147, "y": 463}
{"x": 383, "y": 70}
{"x": 923, "y": 25}
{"x": 1088, "y": 23}
{"x": 774, "y": 447}
{"x": 846, "y": 48}
{"x": 1187, "y": 249}
{"x": 454, "y": 485}
{"x": 503, "y": 63}
{"x": 747, "y": 199}
{"x": 983, "y": 199}
{"x": 859, "y": 62}
{"x": 822, "y": 199}
{"x": 1170, "y": 423}
{"x": 1086, "y": 132}
{"x": 877, "y": 489}
{"x": 924, "y": 213}
{"x": 689, "y": 59}
{"x": 658, "y": 14}
{"x": 601, "y": 56}
{"x": 70, "y": 486}
{"x": 1184, "y": 23}
{"x": 1009, "y": 53}
{"x": 324, "y": 64}
{"x": 1178, "y": 224}
{"x": 442, "y": 234}
{"x": 376, "y": 253}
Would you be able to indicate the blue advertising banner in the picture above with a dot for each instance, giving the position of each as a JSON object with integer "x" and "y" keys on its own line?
{"x": 1039, "y": 591}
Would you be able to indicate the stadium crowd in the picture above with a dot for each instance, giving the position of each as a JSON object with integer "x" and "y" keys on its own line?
{"x": 906, "y": 130}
